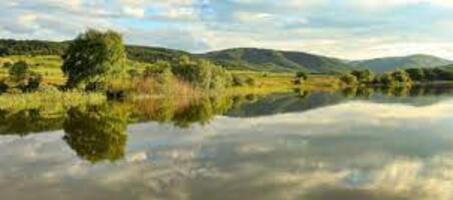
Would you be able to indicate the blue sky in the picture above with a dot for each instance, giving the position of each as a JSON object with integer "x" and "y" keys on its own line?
{"x": 349, "y": 29}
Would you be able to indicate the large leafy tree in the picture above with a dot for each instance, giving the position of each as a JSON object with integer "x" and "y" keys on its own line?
{"x": 94, "y": 58}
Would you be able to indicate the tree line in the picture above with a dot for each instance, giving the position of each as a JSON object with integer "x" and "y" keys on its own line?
{"x": 398, "y": 77}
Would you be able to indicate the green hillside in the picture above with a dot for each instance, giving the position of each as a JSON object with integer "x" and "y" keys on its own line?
{"x": 35, "y": 47}
{"x": 276, "y": 61}
{"x": 246, "y": 58}
{"x": 381, "y": 65}
{"x": 242, "y": 58}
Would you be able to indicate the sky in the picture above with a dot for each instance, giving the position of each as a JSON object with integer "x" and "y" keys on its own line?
{"x": 347, "y": 29}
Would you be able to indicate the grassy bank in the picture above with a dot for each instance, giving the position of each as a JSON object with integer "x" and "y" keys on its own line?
{"x": 52, "y": 99}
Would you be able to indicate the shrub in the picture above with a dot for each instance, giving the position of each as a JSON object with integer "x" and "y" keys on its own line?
{"x": 3, "y": 86}
{"x": 160, "y": 72}
{"x": 301, "y": 75}
{"x": 297, "y": 81}
{"x": 19, "y": 71}
{"x": 416, "y": 74}
{"x": 133, "y": 73}
{"x": 348, "y": 79}
{"x": 238, "y": 80}
{"x": 364, "y": 76}
{"x": 250, "y": 81}
{"x": 7, "y": 65}
{"x": 201, "y": 73}
{"x": 33, "y": 83}
{"x": 387, "y": 79}
{"x": 401, "y": 76}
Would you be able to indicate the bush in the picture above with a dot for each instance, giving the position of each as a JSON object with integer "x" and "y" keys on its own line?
{"x": 201, "y": 73}
{"x": 302, "y": 76}
{"x": 250, "y": 81}
{"x": 160, "y": 72}
{"x": 238, "y": 80}
{"x": 416, "y": 74}
{"x": 401, "y": 76}
{"x": 7, "y": 65}
{"x": 297, "y": 81}
{"x": 387, "y": 79}
{"x": 33, "y": 83}
{"x": 364, "y": 76}
{"x": 348, "y": 79}
{"x": 3, "y": 86}
{"x": 19, "y": 71}
{"x": 133, "y": 73}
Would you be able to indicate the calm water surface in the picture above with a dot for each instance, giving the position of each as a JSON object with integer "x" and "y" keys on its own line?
{"x": 350, "y": 145}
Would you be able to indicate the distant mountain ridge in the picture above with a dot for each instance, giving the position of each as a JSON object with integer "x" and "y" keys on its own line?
{"x": 276, "y": 61}
{"x": 242, "y": 58}
{"x": 381, "y": 65}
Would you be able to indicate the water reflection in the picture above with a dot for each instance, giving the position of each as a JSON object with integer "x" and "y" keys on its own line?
{"x": 299, "y": 145}
{"x": 184, "y": 113}
{"x": 96, "y": 133}
{"x": 353, "y": 150}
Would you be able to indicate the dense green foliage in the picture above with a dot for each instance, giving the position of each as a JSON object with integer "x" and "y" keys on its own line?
{"x": 20, "y": 79}
{"x": 382, "y": 65}
{"x": 19, "y": 70}
{"x": 300, "y": 77}
{"x": 367, "y": 78}
{"x": 31, "y": 47}
{"x": 160, "y": 72}
{"x": 7, "y": 65}
{"x": 349, "y": 79}
{"x": 431, "y": 74}
{"x": 201, "y": 73}
{"x": 363, "y": 76}
{"x": 94, "y": 57}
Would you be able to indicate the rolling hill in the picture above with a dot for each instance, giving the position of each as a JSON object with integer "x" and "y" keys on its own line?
{"x": 381, "y": 65}
{"x": 242, "y": 58}
{"x": 276, "y": 61}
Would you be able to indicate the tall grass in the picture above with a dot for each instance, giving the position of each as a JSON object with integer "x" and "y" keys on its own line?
{"x": 48, "y": 99}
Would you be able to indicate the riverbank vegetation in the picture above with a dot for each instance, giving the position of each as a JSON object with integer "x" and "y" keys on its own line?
{"x": 97, "y": 66}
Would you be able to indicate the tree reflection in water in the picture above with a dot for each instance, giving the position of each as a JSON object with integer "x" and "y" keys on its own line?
{"x": 97, "y": 133}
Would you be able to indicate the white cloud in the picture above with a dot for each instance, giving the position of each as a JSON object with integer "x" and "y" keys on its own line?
{"x": 379, "y": 4}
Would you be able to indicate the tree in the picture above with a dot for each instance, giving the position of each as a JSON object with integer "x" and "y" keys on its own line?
{"x": 416, "y": 74}
{"x": 349, "y": 79}
{"x": 363, "y": 76}
{"x": 94, "y": 57}
{"x": 387, "y": 79}
{"x": 19, "y": 71}
{"x": 430, "y": 75}
{"x": 401, "y": 76}
{"x": 302, "y": 75}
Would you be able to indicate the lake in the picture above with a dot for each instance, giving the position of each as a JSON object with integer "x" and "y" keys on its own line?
{"x": 357, "y": 144}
